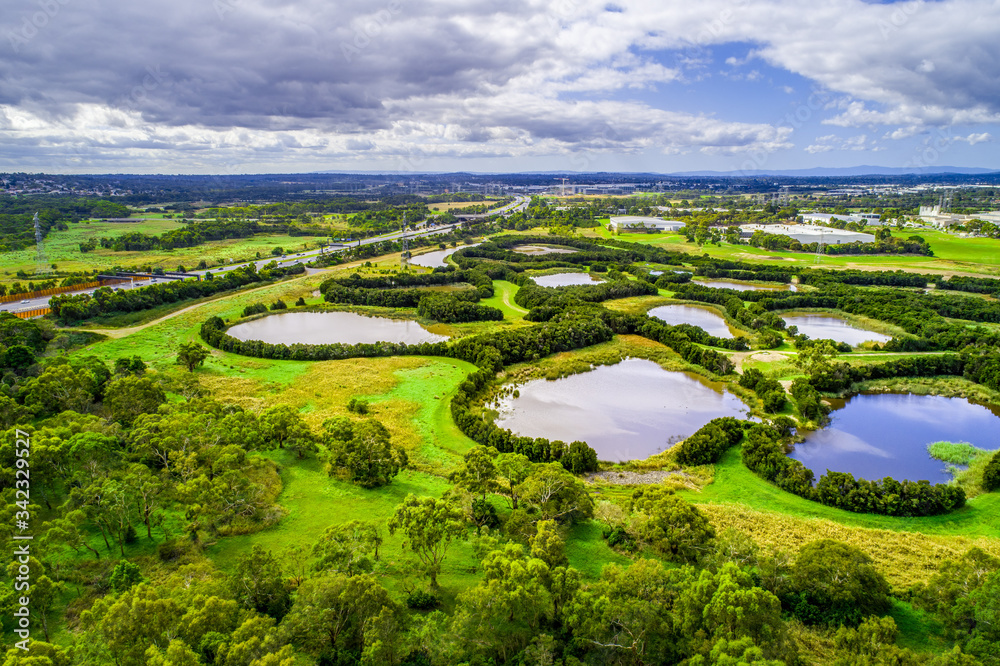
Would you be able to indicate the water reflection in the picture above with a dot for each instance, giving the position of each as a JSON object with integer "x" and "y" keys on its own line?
{"x": 744, "y": 286}
{"x": 564, "y": 280}
{"x": 317, "y": 328}
{"x": 437, "y": 258}
{"x": 823, "y": 327}
{"x": 626, "y": 411}
{"x": 881, "y": 435}
{"x": 706, "y": 318}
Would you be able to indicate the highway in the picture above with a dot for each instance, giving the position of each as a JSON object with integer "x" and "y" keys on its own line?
{"x": 520, "y": 203}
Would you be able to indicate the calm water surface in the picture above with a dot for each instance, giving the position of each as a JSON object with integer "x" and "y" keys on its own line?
{"x": 544, "y": 249}
{"x": 881, "y": 435}
{"x": 706, "y": 318}
{"x": 436, "y": 258}
{"x": 564, "y": 280}
{"x": 823, "y": 327}
{"x": 743, "y": 286}
{"x": 626, "y": 411}
{"x": 318, "y": 328}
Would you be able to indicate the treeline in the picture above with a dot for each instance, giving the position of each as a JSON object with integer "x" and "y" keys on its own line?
{"x": 73, "y": 308}
{"x": 922, "y": 315}
{"x": 891, "y": 245}
{"x": 453, "y": 309}
{"x": 190, "y": 235}
{"x": 764, "y": 452}
{"x": 530, "y": 295}
{"x": 17, "y": 227}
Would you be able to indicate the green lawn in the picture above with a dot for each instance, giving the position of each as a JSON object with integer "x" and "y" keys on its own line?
{"x": 63, "y": 249}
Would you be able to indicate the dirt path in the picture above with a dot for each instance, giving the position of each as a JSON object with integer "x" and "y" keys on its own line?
{"x": 510, "y": 304}
{"x": 122, "y": 332}
{"x": 765, "y": 356}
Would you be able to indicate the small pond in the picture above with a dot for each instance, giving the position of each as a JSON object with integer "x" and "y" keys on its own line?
{"x": 744, "y": 286}
{"x": 564, "y": 280}
{"x": 544, "y": 249}
{"x": 879, "y": 435}
{"x": 436, "y": 258}
{"x": 706, "y": 318}
{"x": 319, "y": 328}
{"x": 625, "y": 411}
{"x": 818, "y": 327}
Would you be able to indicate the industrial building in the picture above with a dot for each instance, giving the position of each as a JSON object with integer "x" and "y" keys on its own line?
{"x": 808, "y": 233}
{"x": 640, "y": 224}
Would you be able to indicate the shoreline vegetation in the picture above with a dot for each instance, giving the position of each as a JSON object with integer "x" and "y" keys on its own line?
{"x": 371, "y": 481}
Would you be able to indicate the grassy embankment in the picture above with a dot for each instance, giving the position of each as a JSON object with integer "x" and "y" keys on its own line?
{"x": 63, "y": 249}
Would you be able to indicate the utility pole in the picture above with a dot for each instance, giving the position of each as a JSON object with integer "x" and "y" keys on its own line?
{"x": 405, "y": 256}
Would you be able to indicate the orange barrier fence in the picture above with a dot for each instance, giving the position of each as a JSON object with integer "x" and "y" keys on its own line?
{"x": 28, "y": 314}
{"x": 9, "y": 298}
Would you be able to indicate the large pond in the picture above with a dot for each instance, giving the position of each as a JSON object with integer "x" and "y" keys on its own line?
{"x": 564, "y": 280}
{"x": 544, "y": 249}
{"x": 822, "y": 327}
{"x": 744, "y": 286}
{"x": 625, "y": 411}
{"x": 880, "y": 435}
{"x": 706, "y": 318}
{"x": 437, "y": 258}
{"x": 320, "y": 328}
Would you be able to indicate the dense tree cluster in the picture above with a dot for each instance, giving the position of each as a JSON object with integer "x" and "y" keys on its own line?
{"x": 73, "y": 308}
{"x": 710, "y": 441}
{"x": 764, "y": 452}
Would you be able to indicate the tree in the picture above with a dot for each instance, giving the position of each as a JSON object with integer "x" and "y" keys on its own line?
{"x": 557, "y": 494}
{"x": 548, "y": 544}
{"x": 191, "y": 355}
{"x": 513, "y": 468}
{"x": 501, "y": 615}
{"x": 834, "y": 583}
{"x": 282, "y": 425}
{"x": 368, "y": 455}
{"x": 125, "y": 575}
{"x": 349, "y": 548}
{"x": 478, "y": 474}
{"x": 428, "y": 525}
{"x": 258, "y": 583}
{"x": 336, "y": 613}
{"x": 61, "y": 387}
{"x": 991, "y": 474}
{"x": 669, "y": 524}
{"x": 128, "y": 397}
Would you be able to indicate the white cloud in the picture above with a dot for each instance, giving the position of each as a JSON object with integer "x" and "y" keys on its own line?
{"x": 311, "y": 80}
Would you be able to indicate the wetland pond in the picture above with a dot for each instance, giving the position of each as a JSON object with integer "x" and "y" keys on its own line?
{"x": 320, "y": 328}
{"x": 544, "y": 249}
{"x": 886, "y": 434}
{"x": 564, "y": 280}
{"x": 823, "y": 327}
{"x": 707, "y": 318}
{"x": 625, "y": 411}
{"x": 744, "y": 286}
{"x": 436, "y": 258}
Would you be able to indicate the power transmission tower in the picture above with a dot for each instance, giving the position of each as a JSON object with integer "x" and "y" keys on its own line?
{"x": 43, "y": 262}
{"x": 820, "y": 246}
{"x": 405, "y": 257}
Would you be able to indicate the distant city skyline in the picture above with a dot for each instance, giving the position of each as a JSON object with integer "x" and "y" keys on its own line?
{"x": 252, "y": 86}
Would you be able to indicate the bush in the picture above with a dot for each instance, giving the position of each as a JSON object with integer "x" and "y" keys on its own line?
{"x": 357, "y": 406}
{"x": 279, "y": 305}
{"x": 991, "y": 475}
{"x": 835, "y": 583}
{"x": 168, "y": 551}
{"x": 420, "y": 600}
{"x": 255, "y": 308}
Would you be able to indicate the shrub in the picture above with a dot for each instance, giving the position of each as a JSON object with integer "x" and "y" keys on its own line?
{"x": 420, "y": 600}
{"x": 991, "y": 475}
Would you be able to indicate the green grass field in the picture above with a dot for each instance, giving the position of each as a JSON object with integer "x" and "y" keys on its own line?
{"x": 952, "y": 254}
{"x": 63, "y": 249}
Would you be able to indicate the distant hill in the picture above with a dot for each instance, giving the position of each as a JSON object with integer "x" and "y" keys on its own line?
{"x": 834, "y": 172}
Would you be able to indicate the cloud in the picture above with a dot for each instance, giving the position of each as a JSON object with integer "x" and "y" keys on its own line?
{"x": 310, "y": 80}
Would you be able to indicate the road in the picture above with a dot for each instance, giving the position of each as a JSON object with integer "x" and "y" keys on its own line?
{"x": 287, "y": 260}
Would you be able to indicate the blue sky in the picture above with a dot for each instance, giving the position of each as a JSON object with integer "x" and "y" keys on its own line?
{"x": 243, "y": 86}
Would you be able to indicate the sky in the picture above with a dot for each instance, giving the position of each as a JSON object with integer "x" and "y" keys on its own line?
{"x": 282, "y": 86}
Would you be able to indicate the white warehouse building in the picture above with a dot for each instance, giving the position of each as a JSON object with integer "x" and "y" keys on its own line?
{"x": 637, "y": 223}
